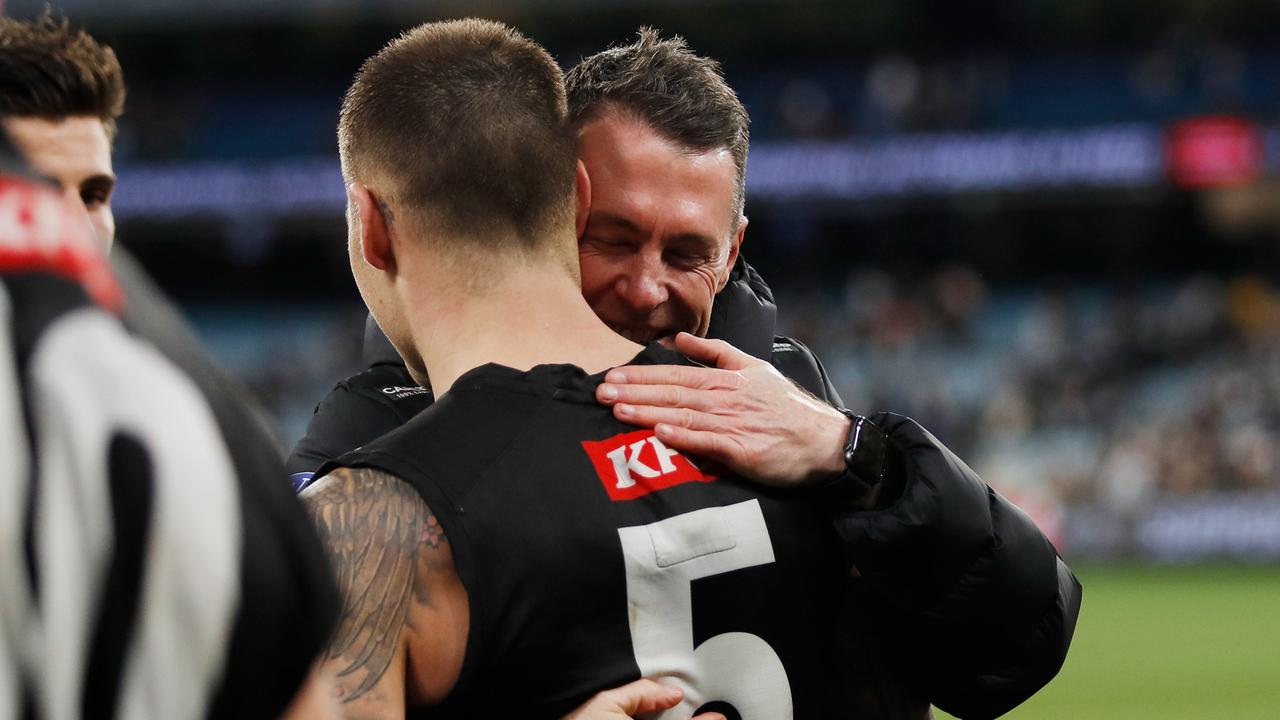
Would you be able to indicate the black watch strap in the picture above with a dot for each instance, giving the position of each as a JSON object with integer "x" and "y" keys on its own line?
{"x": 865, "y": 457}
{"x": 865, "y": 450}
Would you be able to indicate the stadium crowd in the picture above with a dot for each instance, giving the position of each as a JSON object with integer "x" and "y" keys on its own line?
{"x": 1104, "y": 397}
{"x": 1068, "y": 394}
{"x": 1098, "y": 395}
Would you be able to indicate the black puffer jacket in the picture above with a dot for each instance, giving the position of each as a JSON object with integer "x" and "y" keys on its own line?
{"x": 961, "y": 601}
{"x": 983, "y": 607}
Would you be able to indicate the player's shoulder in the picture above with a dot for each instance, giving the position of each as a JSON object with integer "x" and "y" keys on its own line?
{"x": 488, "y": 417}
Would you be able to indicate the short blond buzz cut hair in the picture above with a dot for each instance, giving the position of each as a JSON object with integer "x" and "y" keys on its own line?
{"x": 463, "y": 124}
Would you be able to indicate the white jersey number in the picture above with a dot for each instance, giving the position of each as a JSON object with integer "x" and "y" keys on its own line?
{"x": 662, "y": 560}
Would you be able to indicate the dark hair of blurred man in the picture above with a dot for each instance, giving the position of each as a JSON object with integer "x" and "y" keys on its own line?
{"x": 60, "y": 95}
{"x": 514, "y": 523}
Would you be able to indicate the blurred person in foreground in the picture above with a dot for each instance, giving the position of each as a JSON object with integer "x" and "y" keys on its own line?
{"x": 959, "y": 601}
{"x": 150, "y": 565}
{"x": 63, "y": 92}
{"x": 516, "y": 548}
{"x": 60, "y": 95}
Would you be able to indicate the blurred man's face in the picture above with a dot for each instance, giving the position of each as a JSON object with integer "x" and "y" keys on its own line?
{"x": 74, "y": 154}
{"x": 660, "y": 239}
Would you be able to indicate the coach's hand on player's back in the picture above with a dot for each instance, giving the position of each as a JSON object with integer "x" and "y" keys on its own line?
{"x": 742, "y": 413}
{"x": 637, "y": 698}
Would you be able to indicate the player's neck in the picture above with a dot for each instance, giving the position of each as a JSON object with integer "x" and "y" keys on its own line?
{"x": 532, "y": 316}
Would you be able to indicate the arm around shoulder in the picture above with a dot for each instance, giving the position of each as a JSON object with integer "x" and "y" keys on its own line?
{"x": 985, "y": 607}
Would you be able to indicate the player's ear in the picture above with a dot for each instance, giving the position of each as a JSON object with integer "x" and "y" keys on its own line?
{"x": 735, "y": 245}
{"x": 583, "y": 205}
{"x": 375, "y": 228}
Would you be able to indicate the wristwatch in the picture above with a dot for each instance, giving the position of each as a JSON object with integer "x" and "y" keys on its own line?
{"x": 865, "y": 457}
{"x": 865, "y": 450}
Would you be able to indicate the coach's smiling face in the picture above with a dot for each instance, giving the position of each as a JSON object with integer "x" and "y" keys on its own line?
{"x": 660, "y": 237}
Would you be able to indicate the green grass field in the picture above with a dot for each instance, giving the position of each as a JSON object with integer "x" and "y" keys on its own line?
{"x": 1169, "y": 643}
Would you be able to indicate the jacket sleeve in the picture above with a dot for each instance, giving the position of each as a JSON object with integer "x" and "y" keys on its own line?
{"x": 355, "y": 412}
{"x": 798, "y": 363}
{"x": 344, "y": 420}
{"x": 985, "y": 608}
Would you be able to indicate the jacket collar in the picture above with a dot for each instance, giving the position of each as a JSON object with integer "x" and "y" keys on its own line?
{"x": 744, "y": 314}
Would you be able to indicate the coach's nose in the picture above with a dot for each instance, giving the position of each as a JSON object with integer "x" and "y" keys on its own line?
{"x": 643, "y": 288}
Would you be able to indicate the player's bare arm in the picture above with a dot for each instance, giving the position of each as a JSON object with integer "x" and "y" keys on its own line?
{"x": 402, "y": 632}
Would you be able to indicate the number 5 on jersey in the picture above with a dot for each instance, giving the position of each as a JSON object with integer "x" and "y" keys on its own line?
{"x": 662, "y": 561}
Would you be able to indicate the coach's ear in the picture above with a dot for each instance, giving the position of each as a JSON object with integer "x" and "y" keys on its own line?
{"x": 584, "y": 200}
{"x": 735, "y": 245}
{"x": 375, "y": 220}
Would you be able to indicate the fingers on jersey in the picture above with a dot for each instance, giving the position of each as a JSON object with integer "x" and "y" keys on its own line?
{"x": 684, "y": 417}
{"x": 636, "y": 698}
{"x": 723, "y": 449}
{"x": 400, "y": 590}
{"x": 670, "y": 396}
{"x": 750, "y": 418}
{"x": 641, "y": 696}
{"x": 688, "y": 376}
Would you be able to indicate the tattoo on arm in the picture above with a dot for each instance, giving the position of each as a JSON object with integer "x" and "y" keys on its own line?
{"x": 374, "y": 526}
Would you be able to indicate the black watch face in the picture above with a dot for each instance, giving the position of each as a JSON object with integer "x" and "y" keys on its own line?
{"x": 865, "y": 453}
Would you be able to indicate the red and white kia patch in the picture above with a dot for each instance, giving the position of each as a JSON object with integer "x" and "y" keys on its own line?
{"x": 634, "y": 464}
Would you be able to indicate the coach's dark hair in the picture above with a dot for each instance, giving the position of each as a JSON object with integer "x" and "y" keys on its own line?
{"x": 679, "y": 94}
{"x": 53, "y": 71}
{"x": 466, "y": 123}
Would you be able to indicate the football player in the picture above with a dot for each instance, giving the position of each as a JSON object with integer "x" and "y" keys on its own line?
{"x": 664, "y": 142}
{"x": 515, "y": 548}
{"x": 150, "y": 565}
{"x": 63, "y": 92}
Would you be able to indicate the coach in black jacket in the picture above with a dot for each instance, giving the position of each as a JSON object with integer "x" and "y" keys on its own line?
{"x": 979, "y": 608}
{"x": 959, "y": 601}
{"x": 983, "y": 607}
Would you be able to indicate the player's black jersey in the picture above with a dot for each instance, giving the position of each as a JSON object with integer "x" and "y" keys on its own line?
{"x": 593, "y": 555}
{"x": 151, "y": 562}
